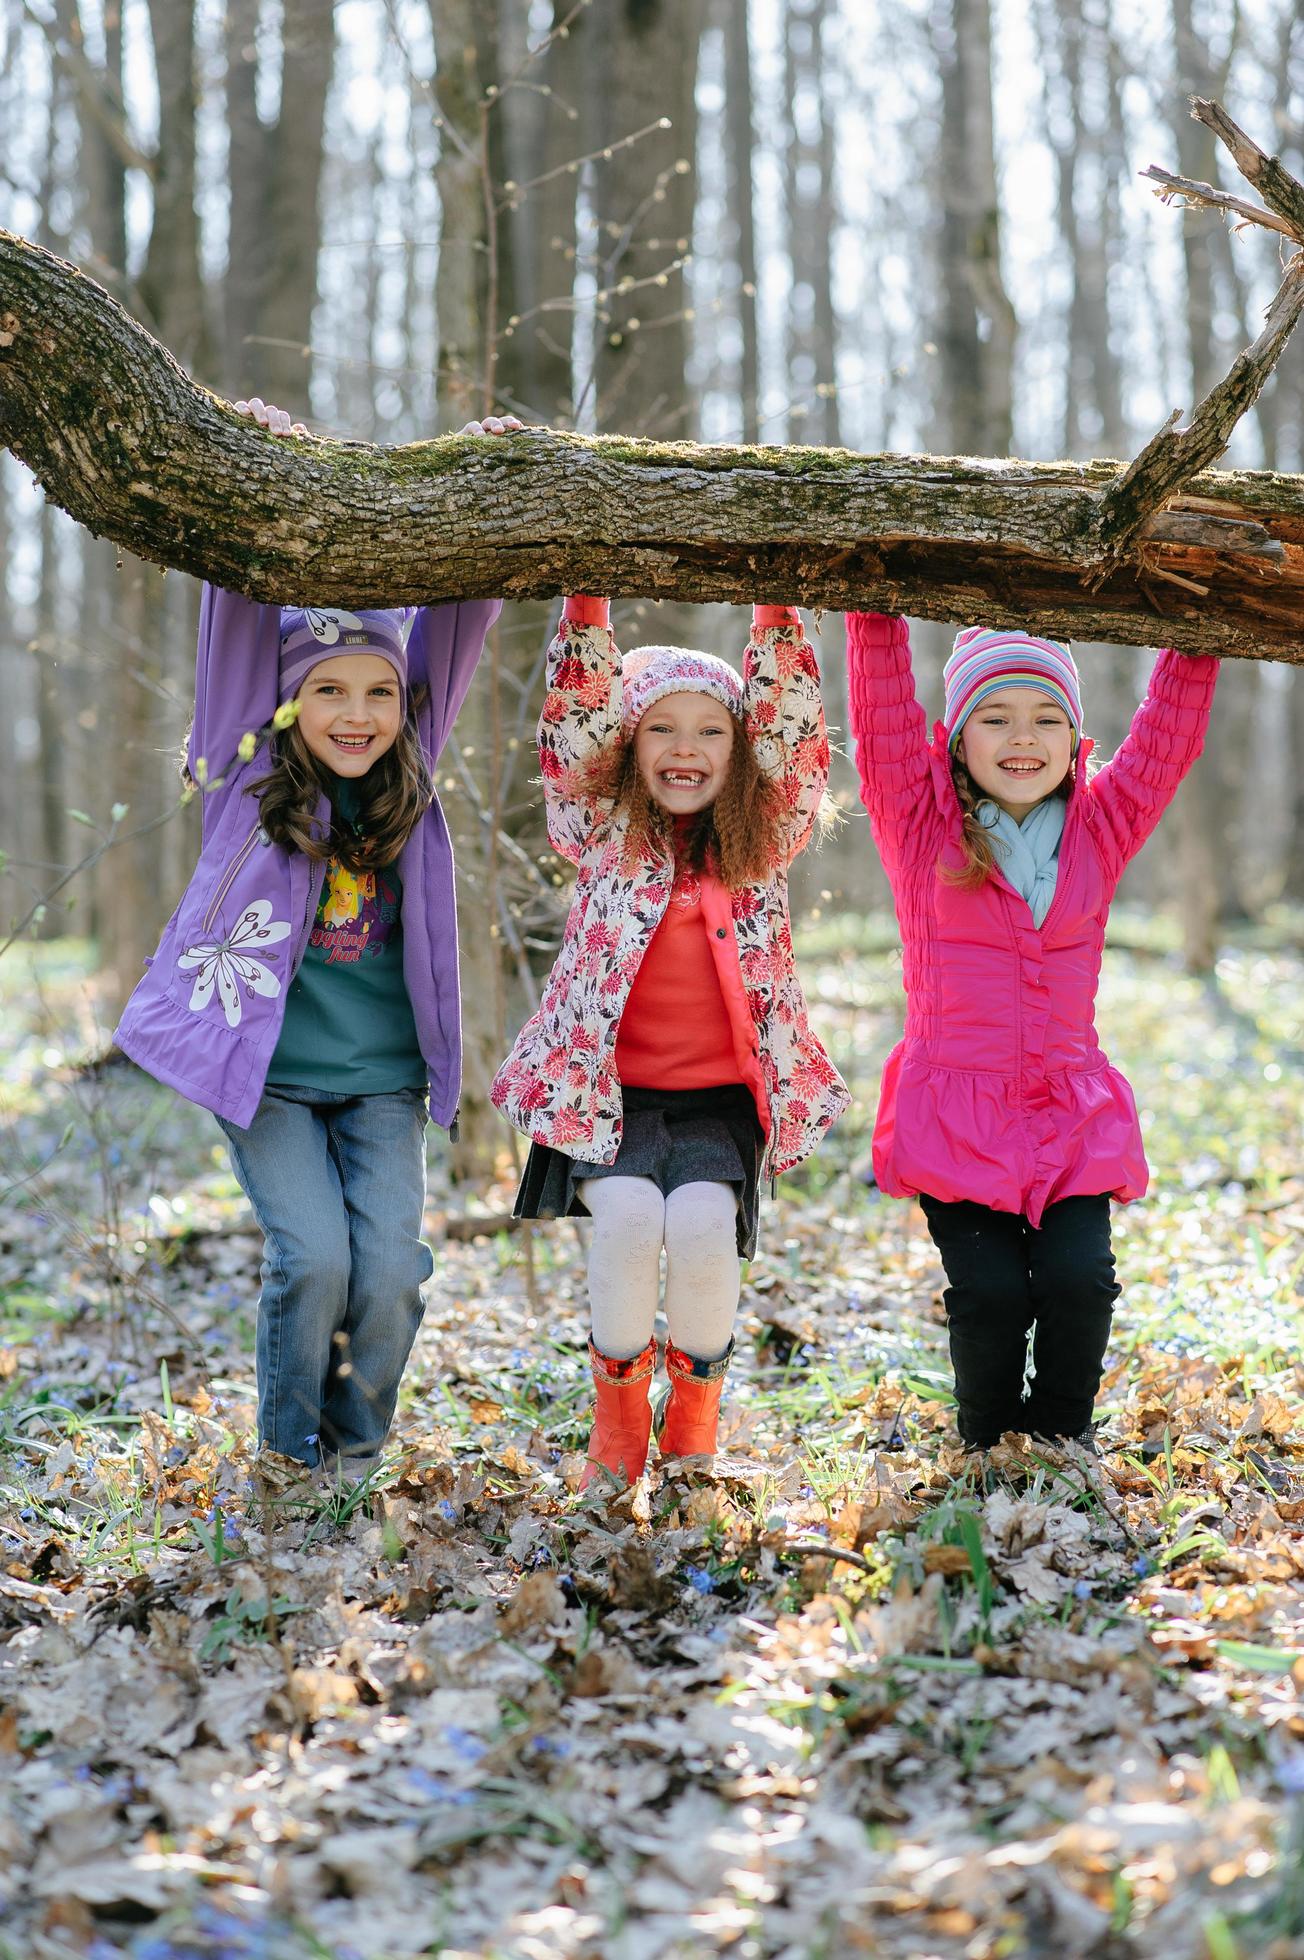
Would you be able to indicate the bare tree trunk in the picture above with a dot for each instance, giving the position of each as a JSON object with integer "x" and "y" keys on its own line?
{"x": 102, "y": 175}
{"x": 131, "y": 898}
{"x": 641, "y": 67}
{"x": 465, "y": 274}
{"x": 641, "y": 61}
{"x": 1206, "y": 807}
{"x": 740, "y": 139}
{"x": 130, "y": 904}
{"x": 977, "y": 330}
{"x": 170, "y": 284}
{"x": 535, "y": 137}
{"x": 1079, "y": 67}
{"x": 12, "y": 800}
{"x": 459, "y": 177}
{"x": 812, "y": 220}
{"x": 545, "y": 135}
{"x": 275, "y": 228}
{"x": 248, "y": 167}
{"x": 50, "y": 713}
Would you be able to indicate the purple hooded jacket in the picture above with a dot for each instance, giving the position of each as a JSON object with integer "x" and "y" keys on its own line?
{"x": 207, "y": 1015}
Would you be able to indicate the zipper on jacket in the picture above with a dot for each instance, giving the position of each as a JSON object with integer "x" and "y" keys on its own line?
{"x": 231, "y": 870}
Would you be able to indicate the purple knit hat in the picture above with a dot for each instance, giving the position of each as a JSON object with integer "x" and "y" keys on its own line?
{"x": 311, "y": 634}
{"x": 985, "y": 660}
{"x": 652, "y": 672}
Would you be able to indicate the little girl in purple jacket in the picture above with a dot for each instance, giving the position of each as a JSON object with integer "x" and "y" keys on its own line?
{"x": 999, "y": 1110}
{"x": 305, "y": 989}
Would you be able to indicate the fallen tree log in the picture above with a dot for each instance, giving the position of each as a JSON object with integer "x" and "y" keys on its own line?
{"x": 1161, "y": 550}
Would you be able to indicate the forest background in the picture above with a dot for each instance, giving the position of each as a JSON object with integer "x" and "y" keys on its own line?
{"x": 912, "y": 225}
{"x": 839, "y": 1695}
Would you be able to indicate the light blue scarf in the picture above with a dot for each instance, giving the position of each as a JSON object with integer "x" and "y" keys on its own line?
{"x": 1028, "y": 852}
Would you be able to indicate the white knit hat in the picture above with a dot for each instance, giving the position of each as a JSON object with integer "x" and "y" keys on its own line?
{"x": 652, "y": 672}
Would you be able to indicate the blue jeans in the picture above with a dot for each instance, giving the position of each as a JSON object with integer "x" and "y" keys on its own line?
{"x": 337, "y": 1185}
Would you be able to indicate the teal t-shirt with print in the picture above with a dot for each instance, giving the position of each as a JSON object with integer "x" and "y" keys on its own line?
{"x": 348, "y": 1021}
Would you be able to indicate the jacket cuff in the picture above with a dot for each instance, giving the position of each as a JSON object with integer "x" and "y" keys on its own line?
{"x": 870, "y": 635}
{"x": 583, "y": 610}
{"x": 873, "y": 625}
{"x": 763, "y": 616}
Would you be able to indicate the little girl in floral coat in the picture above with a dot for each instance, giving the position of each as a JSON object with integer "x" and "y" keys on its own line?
{"x": 671, "y": 1066}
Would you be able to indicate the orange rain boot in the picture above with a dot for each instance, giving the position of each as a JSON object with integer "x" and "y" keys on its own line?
{"x": 620, "y": 1434}
{"x": 688, "y": 1416}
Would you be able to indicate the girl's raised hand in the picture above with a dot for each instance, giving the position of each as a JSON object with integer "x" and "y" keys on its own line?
{"x": 275, "y": 420}
{"x": 493, "y": 425}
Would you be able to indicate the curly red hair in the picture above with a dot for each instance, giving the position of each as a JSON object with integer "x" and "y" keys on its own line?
{"x": 739, "y": 836}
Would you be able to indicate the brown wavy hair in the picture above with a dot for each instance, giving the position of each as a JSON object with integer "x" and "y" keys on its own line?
{"x": 396, "y": 792}
{"x": 976, "y": 844}
{"x": 739, "y": 836}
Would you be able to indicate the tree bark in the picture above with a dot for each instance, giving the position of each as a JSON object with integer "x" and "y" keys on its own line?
{"x": 136, "y": 452}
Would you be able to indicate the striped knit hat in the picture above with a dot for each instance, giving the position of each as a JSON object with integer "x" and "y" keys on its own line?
{"x": 986, "y": 659}
{"x": 311, "y": 634}
{"x": 652, "y": 672}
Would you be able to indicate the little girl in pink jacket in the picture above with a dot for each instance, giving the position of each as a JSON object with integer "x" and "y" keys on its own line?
{"x": 998, "y": 1109}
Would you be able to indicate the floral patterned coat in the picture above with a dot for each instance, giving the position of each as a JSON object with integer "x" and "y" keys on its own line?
{"x": 559, "y": 1085}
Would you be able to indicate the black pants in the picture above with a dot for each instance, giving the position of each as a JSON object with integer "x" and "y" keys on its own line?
{"x": 1007, "y": 1278}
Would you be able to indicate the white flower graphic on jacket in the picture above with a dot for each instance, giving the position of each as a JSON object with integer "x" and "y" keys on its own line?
{"x": 232, "y": 963}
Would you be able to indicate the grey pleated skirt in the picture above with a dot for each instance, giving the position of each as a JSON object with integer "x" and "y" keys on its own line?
{"x": 674, "y": 1137}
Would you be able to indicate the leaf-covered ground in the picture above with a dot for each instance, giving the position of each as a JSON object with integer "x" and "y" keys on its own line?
{"x": 841, "y": 1697}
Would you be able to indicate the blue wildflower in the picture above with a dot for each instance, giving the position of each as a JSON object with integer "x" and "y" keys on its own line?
{"x": 1141, "y": 1565}
{"x": 461, "y": 1741}
{"x": 699, "y": 1579}
{"x": 448, "y": 1510}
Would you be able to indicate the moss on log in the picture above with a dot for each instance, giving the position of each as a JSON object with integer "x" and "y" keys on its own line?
{"x": 124, "y": 441}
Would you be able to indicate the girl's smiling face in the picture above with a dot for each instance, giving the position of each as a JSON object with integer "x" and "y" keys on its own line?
{"x": 682, "y": 747}
{"x": 350, "y": 712}
{"x": 1018, "y": 747}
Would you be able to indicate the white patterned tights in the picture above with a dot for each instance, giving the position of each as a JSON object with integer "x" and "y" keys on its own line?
{"x": 697, "y": 1226}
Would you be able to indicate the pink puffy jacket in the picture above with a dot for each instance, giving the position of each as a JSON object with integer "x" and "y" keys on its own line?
{"x": 999, "y": 1091}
